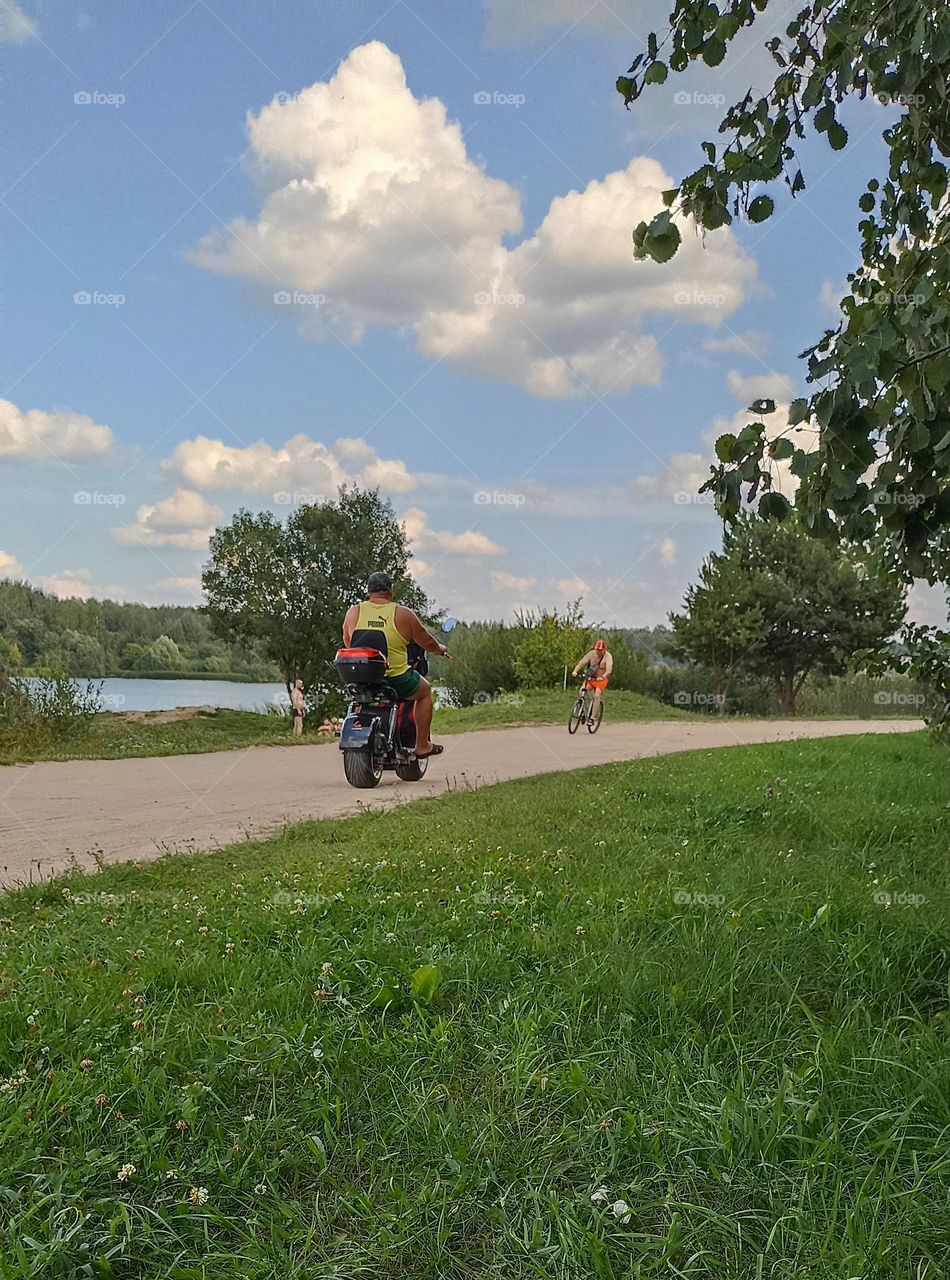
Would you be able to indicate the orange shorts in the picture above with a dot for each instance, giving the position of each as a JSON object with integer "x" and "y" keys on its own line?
{"x": 597, "y": 684}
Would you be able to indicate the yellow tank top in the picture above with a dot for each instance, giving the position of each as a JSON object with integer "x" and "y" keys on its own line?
{"x": 376, "y": 628}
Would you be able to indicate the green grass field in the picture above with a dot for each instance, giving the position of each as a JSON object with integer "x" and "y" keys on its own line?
{"x": 542, "y": 706}
{"x": 683, "y": 1017}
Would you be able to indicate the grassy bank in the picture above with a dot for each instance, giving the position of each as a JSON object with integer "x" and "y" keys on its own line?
{"x": 683, "y": 1017}
{"x": 111, "y": 736}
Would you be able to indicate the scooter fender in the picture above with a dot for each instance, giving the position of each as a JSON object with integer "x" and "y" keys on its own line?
{"x": 358, "y": 729}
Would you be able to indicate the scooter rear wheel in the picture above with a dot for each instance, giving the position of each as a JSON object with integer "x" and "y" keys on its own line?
{"x": 414, "y": 771}
{"x": 362, "y": 769}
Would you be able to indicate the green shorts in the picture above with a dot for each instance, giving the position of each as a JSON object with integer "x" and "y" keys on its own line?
{"x": 406, "y": 684}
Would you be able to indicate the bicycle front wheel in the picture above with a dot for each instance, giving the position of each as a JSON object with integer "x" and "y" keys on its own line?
{"x": 593, "y": 724}
{"x": 578, "y": 713}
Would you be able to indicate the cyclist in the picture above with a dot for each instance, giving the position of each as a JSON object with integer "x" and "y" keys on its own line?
{"x": 599, "y": 664}
{"x": 382, "y": 624}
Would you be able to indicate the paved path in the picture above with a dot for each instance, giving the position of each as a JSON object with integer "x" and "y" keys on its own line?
{"x": 112, "y": 810}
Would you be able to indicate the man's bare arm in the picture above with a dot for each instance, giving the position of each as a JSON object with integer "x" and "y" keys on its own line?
{"x": 418, "y": 633}
{"x": 349, "y": 622}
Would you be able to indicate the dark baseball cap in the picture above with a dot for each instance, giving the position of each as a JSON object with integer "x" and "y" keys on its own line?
{"x": 379, "y": 582}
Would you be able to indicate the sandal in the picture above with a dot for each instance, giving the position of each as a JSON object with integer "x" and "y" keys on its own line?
{"x": 436, "y": 750}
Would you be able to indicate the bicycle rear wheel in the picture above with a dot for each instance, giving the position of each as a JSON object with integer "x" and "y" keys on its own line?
{"x": 578, "y": 713}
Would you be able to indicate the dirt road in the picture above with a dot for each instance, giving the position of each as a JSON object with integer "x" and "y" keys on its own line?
{"x": 113, "y": 810}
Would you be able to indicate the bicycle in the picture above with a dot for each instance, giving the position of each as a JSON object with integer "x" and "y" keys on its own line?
{"x": 582, "y": 710}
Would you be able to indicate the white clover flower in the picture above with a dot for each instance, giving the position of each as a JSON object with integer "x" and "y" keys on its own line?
{"x": 599, "y": 1196}
{"x": 620, "y": 1209}
{"x": 126, "y": 1172}
{"x": 198, "y": 1195}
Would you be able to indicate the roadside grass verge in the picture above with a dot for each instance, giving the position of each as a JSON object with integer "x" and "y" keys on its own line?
{"x": 547, "y": 706}
{"x": 681, "y": 1017}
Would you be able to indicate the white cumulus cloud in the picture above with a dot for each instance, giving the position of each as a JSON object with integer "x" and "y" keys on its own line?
{"x": 760, "y": 386}
{"x": 15, "y": 26}
{"x": 302, "y": 470}
{"x": 9, "y": 566}
{"x": 185, "y": 520}
{"x": 470, "y": 543}
{"x": 511, "y": 582}
{"x": 371, "y": 203}
{"x": 34, "y": 433}
{"x": 71, "y": 584}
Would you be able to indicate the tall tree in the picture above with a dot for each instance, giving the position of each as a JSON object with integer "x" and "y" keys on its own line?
{"x": 722, "y": 624}
{"x": 882, "y": 407}
{"x": 779, "y": 604}
{"x": 289, "y": 585}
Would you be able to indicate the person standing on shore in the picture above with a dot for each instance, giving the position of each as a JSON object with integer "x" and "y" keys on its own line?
{"x": 297, "y": 707}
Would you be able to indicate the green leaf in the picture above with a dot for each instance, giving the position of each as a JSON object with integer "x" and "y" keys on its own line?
{"x": 660, "y": 245}
{"x": 627, "y": 88}
{"x": 724, "y": 446}
{"x": 656, "y": 73}
{"x": 774, "y": 506}
{"x": 762, "y": 406}
{"x": 425, "y": 983}
{"x": 762, "y": 207}
{"x": 714, "y": 50}
{"x": 386, "y": 995}
{"x": 797, "y": 411}
{"x": 781, "y": 449}
{"x": 838, "y": 137}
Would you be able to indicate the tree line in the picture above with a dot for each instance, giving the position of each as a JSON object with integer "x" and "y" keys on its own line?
{"x": 94, "y": 638}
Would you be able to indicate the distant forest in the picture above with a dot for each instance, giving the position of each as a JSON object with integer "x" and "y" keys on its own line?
{"x": 39, "y": 632}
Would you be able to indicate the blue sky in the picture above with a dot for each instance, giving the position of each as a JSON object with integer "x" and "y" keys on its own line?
{"x": 445, "y": 195}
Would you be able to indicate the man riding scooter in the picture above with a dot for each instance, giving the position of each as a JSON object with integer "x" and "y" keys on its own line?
{"x": 380, "y": 623}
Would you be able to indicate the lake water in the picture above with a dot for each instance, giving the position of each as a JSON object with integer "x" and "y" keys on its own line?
{"x": 164, "y": 695}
